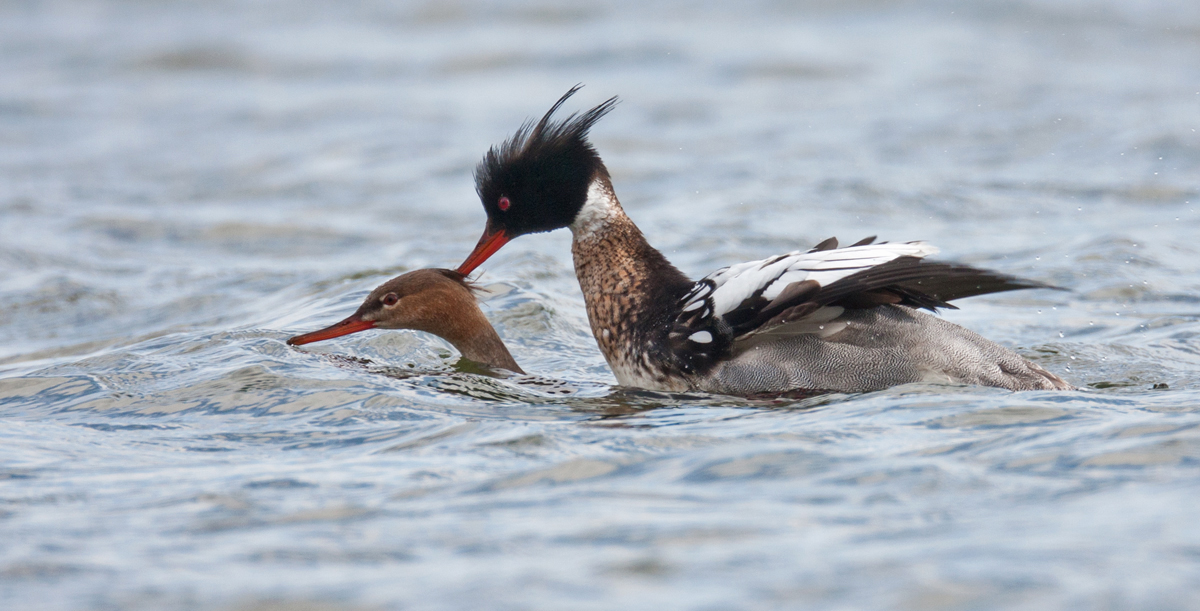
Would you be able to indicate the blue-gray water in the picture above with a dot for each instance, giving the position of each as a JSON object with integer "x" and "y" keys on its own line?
{"x": 184, "y": 185}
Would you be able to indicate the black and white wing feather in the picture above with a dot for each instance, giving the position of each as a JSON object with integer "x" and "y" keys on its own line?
{"x": 783, "y": 293}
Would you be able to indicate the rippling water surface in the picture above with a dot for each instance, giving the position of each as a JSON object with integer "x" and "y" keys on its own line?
{"x": 183, "y": 185}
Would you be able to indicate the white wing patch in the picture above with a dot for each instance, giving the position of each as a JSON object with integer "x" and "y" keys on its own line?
{"x": 727, "y": 288}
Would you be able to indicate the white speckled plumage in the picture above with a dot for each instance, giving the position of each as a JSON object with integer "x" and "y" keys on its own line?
{"x": 839, "y": 319}
{"x": 598, "y": 210}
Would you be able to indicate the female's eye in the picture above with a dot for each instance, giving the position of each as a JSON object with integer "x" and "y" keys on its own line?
{"x": 504, "y": 203}
{"x": 390, "y": 299}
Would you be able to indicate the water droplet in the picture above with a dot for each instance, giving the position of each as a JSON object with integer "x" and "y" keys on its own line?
{"x": 1060, "y": 334}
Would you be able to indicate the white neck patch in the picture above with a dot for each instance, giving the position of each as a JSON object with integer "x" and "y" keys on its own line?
{"x": 600, "y": 209}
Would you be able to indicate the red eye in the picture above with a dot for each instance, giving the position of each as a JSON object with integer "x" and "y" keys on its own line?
{"x": 390, "y": 299}
{"x": 504, "y": 204}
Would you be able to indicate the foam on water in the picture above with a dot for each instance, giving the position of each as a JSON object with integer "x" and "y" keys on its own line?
{"x": 185, "y": 185}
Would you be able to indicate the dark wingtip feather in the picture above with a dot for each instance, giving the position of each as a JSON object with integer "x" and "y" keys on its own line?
{"x": 926, "y": 284}
{"x": 827, "y": 244}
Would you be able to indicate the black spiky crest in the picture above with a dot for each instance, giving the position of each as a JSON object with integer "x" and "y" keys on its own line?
{"x": 543, "y": 171}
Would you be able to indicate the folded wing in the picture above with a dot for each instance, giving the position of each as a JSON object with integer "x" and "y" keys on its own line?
{"x": 804, "y": 292}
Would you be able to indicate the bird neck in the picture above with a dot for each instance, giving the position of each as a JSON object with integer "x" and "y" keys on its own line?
{"x": 487, "y": 348}
{"x": 484, "y": 346}
{"x": 469, "y": 331}
{"x": 629, "y": 287}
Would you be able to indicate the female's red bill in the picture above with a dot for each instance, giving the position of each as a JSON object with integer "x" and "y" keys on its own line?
{"x": 354, "y": 324}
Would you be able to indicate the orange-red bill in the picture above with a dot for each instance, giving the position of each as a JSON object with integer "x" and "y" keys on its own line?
{"x": 487, "y": 246}
{"x": 354, "y": 324}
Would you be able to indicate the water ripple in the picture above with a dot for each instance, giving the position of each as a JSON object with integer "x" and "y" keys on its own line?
{"x": 185, "y": 185}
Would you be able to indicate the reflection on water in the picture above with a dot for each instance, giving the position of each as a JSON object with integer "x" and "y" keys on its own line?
{"x": 185, "y": 185}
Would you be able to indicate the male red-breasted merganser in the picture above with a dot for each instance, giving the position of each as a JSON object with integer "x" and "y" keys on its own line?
{"x": 437, "y": 301}
{"x": 841, "y": 319}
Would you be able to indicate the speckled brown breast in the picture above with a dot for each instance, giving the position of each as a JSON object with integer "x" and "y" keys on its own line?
{"x": 630, "y": 291}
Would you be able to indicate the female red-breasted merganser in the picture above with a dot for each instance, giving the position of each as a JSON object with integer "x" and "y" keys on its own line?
{"x": 437, "y": 301}
{"x": 840, "y": 319}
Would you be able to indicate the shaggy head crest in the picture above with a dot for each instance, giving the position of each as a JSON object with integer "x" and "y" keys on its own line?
{"x": 538, "y": 179}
